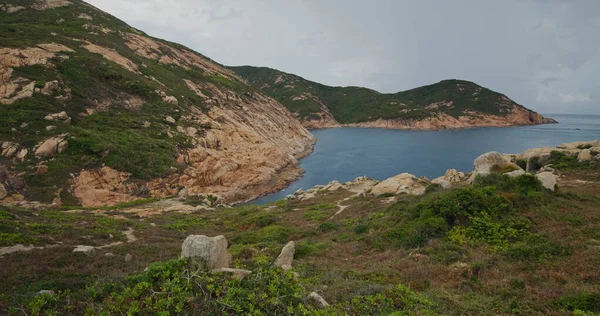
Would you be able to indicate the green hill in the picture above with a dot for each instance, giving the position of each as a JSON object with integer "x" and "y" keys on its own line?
{"x": 455, "y": 98}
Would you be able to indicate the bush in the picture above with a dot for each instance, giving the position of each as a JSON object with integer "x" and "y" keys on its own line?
{"x": 589, "y": 302}
{"x": 536, "y": 247}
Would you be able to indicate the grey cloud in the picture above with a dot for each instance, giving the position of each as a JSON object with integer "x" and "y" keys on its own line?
{"x": 533, "y": 51}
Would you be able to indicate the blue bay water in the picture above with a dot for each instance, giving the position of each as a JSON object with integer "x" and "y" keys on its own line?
{"x": 346, "y": 153}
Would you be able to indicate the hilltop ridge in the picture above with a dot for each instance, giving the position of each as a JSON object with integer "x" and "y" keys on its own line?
{"x": 447, "y": 104}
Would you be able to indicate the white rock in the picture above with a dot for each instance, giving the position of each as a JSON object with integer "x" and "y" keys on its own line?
{"x": 210, "y": 252}
{"x": 548, "y": 180}
{"x": 49, "y": 292}
{"x": 108, "y": 254}
{"x": 321, "y": 302}
{"x": 286, "y": 257}
{"x": 89, "y": 251}
{"x": 170, "y": 119}
{"x": 50, "y": 128}
{"x": 128, "y": 258}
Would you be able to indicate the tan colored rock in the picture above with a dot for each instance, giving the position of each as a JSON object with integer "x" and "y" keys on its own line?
{"x": 22, "y": 154}
{"x": 237, "y": 273}
{"x": 113, "y": 56}
{"x": 3, "y": 192}
{"x": 579, "y": 145}
{"x": 50, "y": 87}
{"x": 171, "y": 100}
{"x": 404, "y": 183}
{"x": 286, "y": 257}
{"x": 584, "y": 155}
{"x": 360, "y": 185}
{"x": 595, "y": 150}
{"x": 51, "y": 146}
{"x": 486, "y": 163}
{"x": 50, "y": 128}
{"x": 548, "y": 180}
{"x": 191, "y": 131}
{"x": 103, "y": 187}
{"x": 62, "y": 116}
{"x": 170, "y": 119}
{"x": 41, "y": 170}
{"x": 210, "y": 252}
{"x": 9, "y": 8}
{"x": 442, "y": 182}
{"x": 8, "y": 149}
{"x": 453, "y": 176}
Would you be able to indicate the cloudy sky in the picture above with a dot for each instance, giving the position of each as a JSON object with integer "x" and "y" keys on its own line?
{"x": 544, "y": 54}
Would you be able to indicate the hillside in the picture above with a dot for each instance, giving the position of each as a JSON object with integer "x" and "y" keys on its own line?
{"x": 95, "y": 112}
{"x": 447, "y": 104}
{"x": 499, "y": 241}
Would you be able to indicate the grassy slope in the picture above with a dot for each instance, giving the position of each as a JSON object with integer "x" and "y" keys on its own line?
{"x": 115, "y": 137}
{"x": 500, "y": 247}
{"x": 356, "y": 104}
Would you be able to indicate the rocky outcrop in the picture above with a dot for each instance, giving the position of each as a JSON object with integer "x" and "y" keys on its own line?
{"x": 209, "y": 252}
{"x": 404, "y": 183}
{"x": 493, "y": 161}
{"x": 318, "y": 299}
{"x": 584, "y": 155}
{"x": 51, "y": 146}
{"x": 104, "y": 186}
{"x": 518, "y": 116}
{"x": 286, "y": 257}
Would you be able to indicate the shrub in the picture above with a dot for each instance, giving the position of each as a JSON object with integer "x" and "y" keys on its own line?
{"x": 521, "y": 163}
{"x": 589, "y": 302}
{"x": 328, "y": 226}
{"x": 536, "y": 247}
{"x": 308, "y": 248}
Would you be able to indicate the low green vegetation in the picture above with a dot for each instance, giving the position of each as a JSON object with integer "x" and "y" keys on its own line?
{"x": 356, "y": 104}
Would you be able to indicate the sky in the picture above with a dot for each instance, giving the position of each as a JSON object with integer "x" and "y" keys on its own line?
{"x": 544, "y": 54}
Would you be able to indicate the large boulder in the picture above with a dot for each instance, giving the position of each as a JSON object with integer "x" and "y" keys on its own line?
{"x": 492, "y": 161}
{"x": 61, "y": 116}
{"x": 548, "y": 180}
{"x": 89, "y": 251}
{"x": 286, "y": 257}
{"x": 516, "y": 173}
{"x": 584, "y": 155}
{"x": 210, "y": 252}
{"x": 403, "y": 183}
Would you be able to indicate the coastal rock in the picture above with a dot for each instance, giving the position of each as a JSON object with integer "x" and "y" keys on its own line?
{"x": 488, "y": 162}
{"x": 584, "y": 155}
{"x": 454, "y": 176}
{"x": 547, "y": 179}
{"x": 445, "y": 184}
{"x": 579, "y": 145}
{"x": 403, "y": 183}
{"x": 286, "y": 257}
{"x": 210, "y": 252}
{"x": 595, "y": 150}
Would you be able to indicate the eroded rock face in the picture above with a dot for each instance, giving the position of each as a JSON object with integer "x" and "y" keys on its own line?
{"x": 105, "y": 186}
{"x": 404, "y": 183}
{"x": 439, "y": 121}
{"x": 210, "y": 252}
{"x": 286, "y": 257}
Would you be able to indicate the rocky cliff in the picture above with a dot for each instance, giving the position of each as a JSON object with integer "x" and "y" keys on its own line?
{"x": 95, "y": 112}
{"x": 449, "y": 104}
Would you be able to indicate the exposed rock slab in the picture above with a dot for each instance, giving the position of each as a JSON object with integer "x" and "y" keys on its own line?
{"x": 403, "y": 183}
{"x": 286, "y": 257}
{"x": 547, "y": 179}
